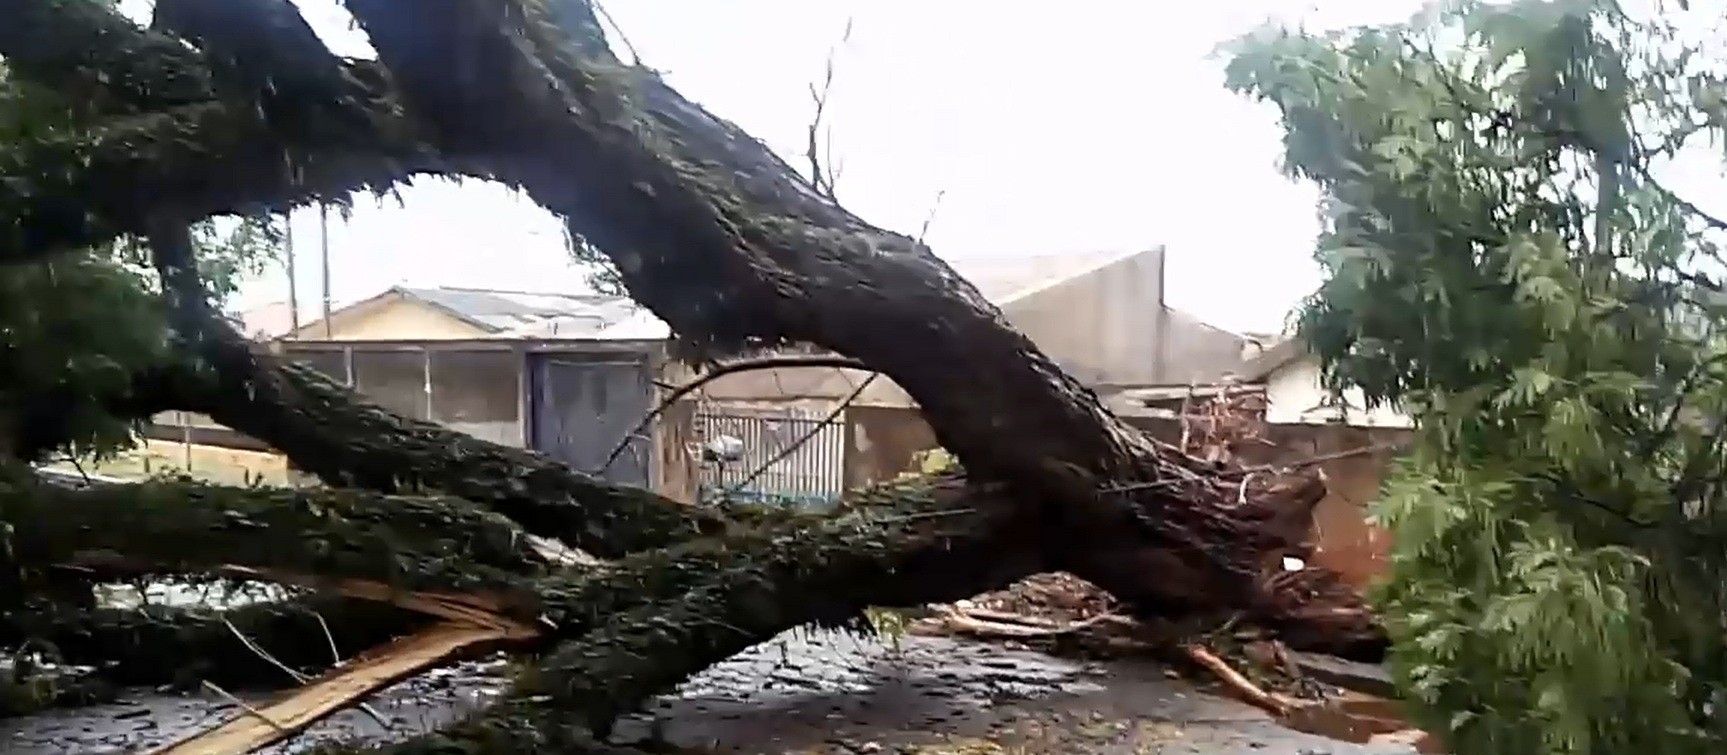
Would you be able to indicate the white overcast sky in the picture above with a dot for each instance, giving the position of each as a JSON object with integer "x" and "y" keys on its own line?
{"x": 1048, "y": 128}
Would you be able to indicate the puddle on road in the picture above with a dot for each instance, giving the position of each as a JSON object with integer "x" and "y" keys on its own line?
{"x": 1359, "y": 718}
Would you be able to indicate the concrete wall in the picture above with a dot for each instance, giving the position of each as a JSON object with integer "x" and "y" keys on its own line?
{"x": 1109, "y": 326}
{"x": 677, "y": 468}
{"x": 1295, "y": 395}
{"x": 881, "y": 441}
{"x": 1195, "y": 353}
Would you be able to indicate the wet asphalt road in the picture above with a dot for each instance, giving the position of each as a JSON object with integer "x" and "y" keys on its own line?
{"x": 804, "y": 692}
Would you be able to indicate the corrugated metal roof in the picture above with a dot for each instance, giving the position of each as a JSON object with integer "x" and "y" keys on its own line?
{"x": 638, "y": 324}
{"x": 500, "y": 311}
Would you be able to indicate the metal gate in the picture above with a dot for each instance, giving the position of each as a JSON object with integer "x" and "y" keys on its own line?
{"x": 787, "y": 456}
{"x": 581, "y": 408}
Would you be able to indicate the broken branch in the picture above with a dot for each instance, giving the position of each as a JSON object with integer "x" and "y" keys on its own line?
{"x": 337, "y": 690}
{"x": 1275, "y": 704}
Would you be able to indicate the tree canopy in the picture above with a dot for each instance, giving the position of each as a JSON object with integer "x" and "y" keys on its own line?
{"x": 1502, "y": 260}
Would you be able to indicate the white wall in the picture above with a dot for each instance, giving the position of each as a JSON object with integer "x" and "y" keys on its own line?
{"x": 1294, "y": 395}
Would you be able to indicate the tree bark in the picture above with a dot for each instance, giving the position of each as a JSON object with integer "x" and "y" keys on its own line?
{"x": 904, "y": 544}
{"x": 907, "y": 543}
{"x": 178, "y": 647}
{"x": 188, "y": 527}
{"x": 171, "y": 142}
{"x": 328, "y": 431}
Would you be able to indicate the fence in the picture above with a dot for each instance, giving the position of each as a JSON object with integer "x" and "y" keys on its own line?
{"x": 785, "y": 456}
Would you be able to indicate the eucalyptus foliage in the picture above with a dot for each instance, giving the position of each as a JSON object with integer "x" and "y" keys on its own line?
{"x": 1503, "y": 262}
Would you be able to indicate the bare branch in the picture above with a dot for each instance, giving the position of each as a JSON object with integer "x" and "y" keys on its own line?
{"x": 600, "y": 10}
{"x": 923, "y": 230}
{"x": 824, "y": 175}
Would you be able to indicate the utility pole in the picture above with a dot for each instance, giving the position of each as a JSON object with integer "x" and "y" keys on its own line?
{"x": 324, "y": 232}
{"x": 293, "y": 276}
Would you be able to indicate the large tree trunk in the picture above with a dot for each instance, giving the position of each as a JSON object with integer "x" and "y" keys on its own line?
{"x": 731, "y": 247}
{"x": 710, "y": 230}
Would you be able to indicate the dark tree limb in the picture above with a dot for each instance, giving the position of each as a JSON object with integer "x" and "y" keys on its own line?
{"x": 160, "y": 645}
{"x": 328, "y": 431}
{"x": 177, "y": 148}
{"x": 815, "y": 273}
{"x": 609, "y": 519}
{"x": 903, "y": 544}
{"x": 684, "y": 195}
{"x": 728, "y": 244}
{"x": 88, "y": 50}
{"x": 190, "y": 527}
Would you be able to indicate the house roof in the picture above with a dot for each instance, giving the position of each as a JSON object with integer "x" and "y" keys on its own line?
{"x": 521, "y": 314}
{"x": 504, "y": 311}
{"x": 1003, "y": 278}
{"x": 524, "y": 314}
{"x": 637, "y": 325}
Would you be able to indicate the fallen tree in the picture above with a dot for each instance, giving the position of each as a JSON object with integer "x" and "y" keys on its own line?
{"x": 231, "y": 106}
